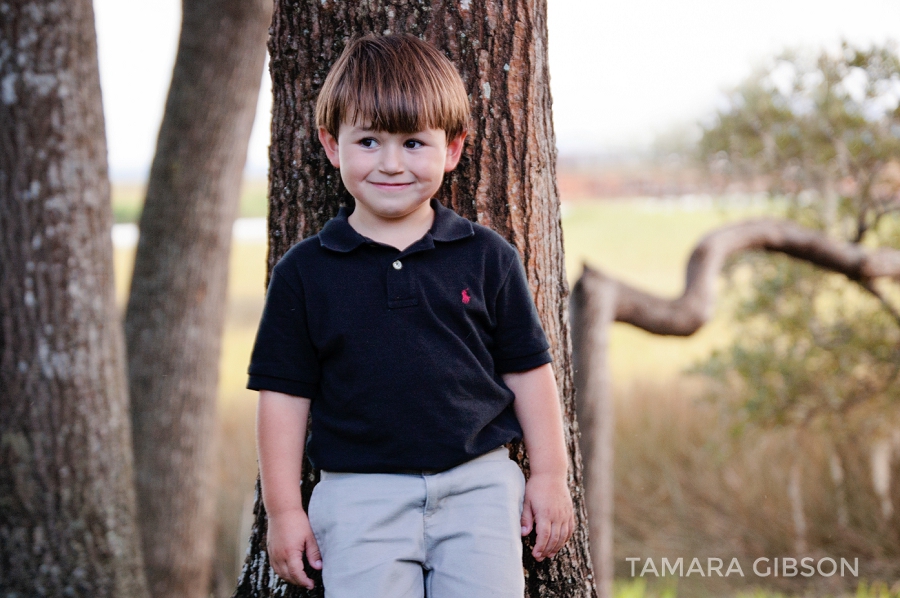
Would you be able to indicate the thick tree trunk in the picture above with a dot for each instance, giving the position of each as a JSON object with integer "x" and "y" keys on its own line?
{"x": 599, "y": 300}
{"x": 506, "y": 180}
{"x": 176, "y": 308}
{"x": 67, "y": 506}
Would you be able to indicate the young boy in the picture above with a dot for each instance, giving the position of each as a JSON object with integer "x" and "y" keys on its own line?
{"x": 408, "y": 335}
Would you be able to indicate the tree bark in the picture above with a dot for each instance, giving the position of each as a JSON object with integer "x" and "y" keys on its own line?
{"x": 176, "y": 307}
{"x": 599, "y": 300}
{"x": 67, "y": 505}
{"x": 506, "y": 180}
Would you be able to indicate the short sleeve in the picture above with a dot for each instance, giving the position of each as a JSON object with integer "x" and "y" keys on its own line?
{"x": 519, "y": 341}
{"x": 283, "y": 358}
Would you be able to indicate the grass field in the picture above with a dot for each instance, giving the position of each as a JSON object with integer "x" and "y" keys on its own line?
{"x": 127, "y": 199}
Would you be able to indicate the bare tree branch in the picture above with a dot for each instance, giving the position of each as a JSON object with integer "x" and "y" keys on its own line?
{"x": 686, "y": 314}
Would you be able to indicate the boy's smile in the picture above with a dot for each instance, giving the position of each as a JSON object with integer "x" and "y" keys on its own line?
{"x": 392, "y": 176}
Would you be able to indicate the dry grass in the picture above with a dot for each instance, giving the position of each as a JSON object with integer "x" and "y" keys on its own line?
{"x": 234, "y": 500}
{"x": 688, "y": 485}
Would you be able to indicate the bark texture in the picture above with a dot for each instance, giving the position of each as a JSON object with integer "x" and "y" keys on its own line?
{"x": 599, "y": 300}
{"x": 176, "y": 308}
{"x": 67, "y": 506}
{"x": 506, "y": 180}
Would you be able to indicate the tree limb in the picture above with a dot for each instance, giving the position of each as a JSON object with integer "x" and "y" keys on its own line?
{"x": 686, "y": 314}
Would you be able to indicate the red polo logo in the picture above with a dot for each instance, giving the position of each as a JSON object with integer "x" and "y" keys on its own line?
{"x": 465, "y": 296}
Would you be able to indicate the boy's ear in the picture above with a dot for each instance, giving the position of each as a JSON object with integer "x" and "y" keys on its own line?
{"x": 331, "y": 146}
{"x": 454, "y": 151}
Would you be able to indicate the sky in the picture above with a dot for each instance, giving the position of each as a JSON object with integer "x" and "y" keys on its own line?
{"x": 621, "y": 72}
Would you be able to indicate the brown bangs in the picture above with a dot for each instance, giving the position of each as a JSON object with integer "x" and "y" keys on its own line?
{"x": 394, "y": 83}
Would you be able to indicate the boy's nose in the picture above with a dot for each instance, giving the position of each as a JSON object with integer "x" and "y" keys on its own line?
{"x": 391, "y": 161}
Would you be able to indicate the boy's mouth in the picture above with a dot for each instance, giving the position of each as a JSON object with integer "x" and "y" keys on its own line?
{"x": 390, "y": 185}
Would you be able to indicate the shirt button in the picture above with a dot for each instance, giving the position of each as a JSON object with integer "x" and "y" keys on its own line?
{"x": 397, "y": 265}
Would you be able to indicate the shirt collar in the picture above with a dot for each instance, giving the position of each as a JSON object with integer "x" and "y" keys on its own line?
{"x": 338, "y": 235}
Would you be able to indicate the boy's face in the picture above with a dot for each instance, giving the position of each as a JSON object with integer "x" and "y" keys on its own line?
{"x": 391, "y": 175}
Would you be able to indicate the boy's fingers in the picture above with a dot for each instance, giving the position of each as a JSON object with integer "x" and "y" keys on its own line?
{"x": 527, "y": 519}
{"x": 283, "y": 570}
{"x": 554, "y": 544}
{"x": 540, "y": 544}
{"x": 295, "y": 569}
{"x": 565, "y": 534}
{"x": 313, "y": 556}
{"x": 568, "y": 528}
{"x": 551, "y": 537}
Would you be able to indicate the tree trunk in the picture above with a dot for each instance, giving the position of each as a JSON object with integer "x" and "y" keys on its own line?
{"x": 593, "y": 310}
{"x": 176, "y": 308}
{"x": 506, "y": 180}
{"x": 67, "y": 505}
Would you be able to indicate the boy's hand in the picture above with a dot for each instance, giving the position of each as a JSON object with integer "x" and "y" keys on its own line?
{"x": 548, "y": 507}
{"x": 289, "y": 538}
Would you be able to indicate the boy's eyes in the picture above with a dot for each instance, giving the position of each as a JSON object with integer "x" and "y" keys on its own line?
{"x": 370, "y": 142}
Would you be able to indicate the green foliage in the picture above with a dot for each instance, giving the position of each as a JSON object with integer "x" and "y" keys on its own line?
{"x": 876, "y": 590}
{"x": 637, "y": 588}
{"x": 822, "y": 134}
{"x": 819, "y": 129}
{"x": 127, "y": 201}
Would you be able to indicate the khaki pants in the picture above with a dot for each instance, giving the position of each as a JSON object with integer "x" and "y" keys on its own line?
{"x": 454, "y": 534}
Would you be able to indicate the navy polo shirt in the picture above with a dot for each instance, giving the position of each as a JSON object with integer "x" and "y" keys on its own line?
{"x": 400, "y": 352}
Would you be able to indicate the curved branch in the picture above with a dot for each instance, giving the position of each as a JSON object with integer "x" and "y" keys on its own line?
{"x": 686, "y": 314}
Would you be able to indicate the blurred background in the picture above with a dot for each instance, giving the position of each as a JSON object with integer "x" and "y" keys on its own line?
{"x": 729, "y": 443}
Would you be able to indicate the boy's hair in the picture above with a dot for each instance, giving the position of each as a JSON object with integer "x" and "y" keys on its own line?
{"x": 395, "y": 83}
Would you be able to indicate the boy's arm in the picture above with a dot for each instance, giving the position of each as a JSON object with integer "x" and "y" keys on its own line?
{"x": 280, "y": 436}
{"x": 548, "y": 504}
